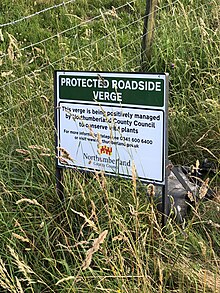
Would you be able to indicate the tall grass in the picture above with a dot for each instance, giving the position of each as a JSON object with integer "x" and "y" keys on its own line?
{"x": 105, "y": 235}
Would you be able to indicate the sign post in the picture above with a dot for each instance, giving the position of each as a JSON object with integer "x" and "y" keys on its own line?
{"x": 112, "y": 121}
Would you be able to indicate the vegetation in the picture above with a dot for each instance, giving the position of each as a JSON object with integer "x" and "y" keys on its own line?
{"x": 105, "y": 235}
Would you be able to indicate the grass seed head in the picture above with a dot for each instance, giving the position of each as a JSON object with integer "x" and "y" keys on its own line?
{"x": 134, "y": 175}
{"x": 93, "y": 249}
{"x": 91, "y": 132}
{"x": 1, "y": 36}
{"x": 190, "y": 196}
{"x": 203, "y": 189}
{"x": 23, "y": 151}
{"x": 19, "y": 237}
{"x": 151, "y": 190}
{"x": 99, "y": 138}
{"x": 64, "y": 154}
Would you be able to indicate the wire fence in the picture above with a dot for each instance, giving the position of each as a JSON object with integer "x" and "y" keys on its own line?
{"x": 82, "y": 48}
{"x": 11, "y": 84}
{"x": 35, "y": 14}
{"x": 33, "y": 98}
{"x": 58, "y": 34}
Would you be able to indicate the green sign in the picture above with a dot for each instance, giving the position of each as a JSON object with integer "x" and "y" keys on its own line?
{"x": 112, "y": 122}
{"x": 102, "y": 88}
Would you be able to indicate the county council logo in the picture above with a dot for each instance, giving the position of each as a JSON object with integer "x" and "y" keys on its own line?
{"x": 103, "y": 149}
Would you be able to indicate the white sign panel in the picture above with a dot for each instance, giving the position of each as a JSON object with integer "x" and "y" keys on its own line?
{"x": 112, "y": 122}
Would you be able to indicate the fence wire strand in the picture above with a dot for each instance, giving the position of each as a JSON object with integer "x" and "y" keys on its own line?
{"x": 92, "y": 43}
{"x": 58, "y": 34}
{"x": 17, "y": 105}
{"x": 93, "y": 64}
{"x": 36, "y": 13}
{"x": 27, "y": 123}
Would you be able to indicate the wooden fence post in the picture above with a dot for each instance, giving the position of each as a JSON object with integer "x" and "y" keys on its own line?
{"x": 148, "y": 32}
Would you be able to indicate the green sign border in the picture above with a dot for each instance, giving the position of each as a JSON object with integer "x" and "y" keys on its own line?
{"x": 131, "y": 99}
